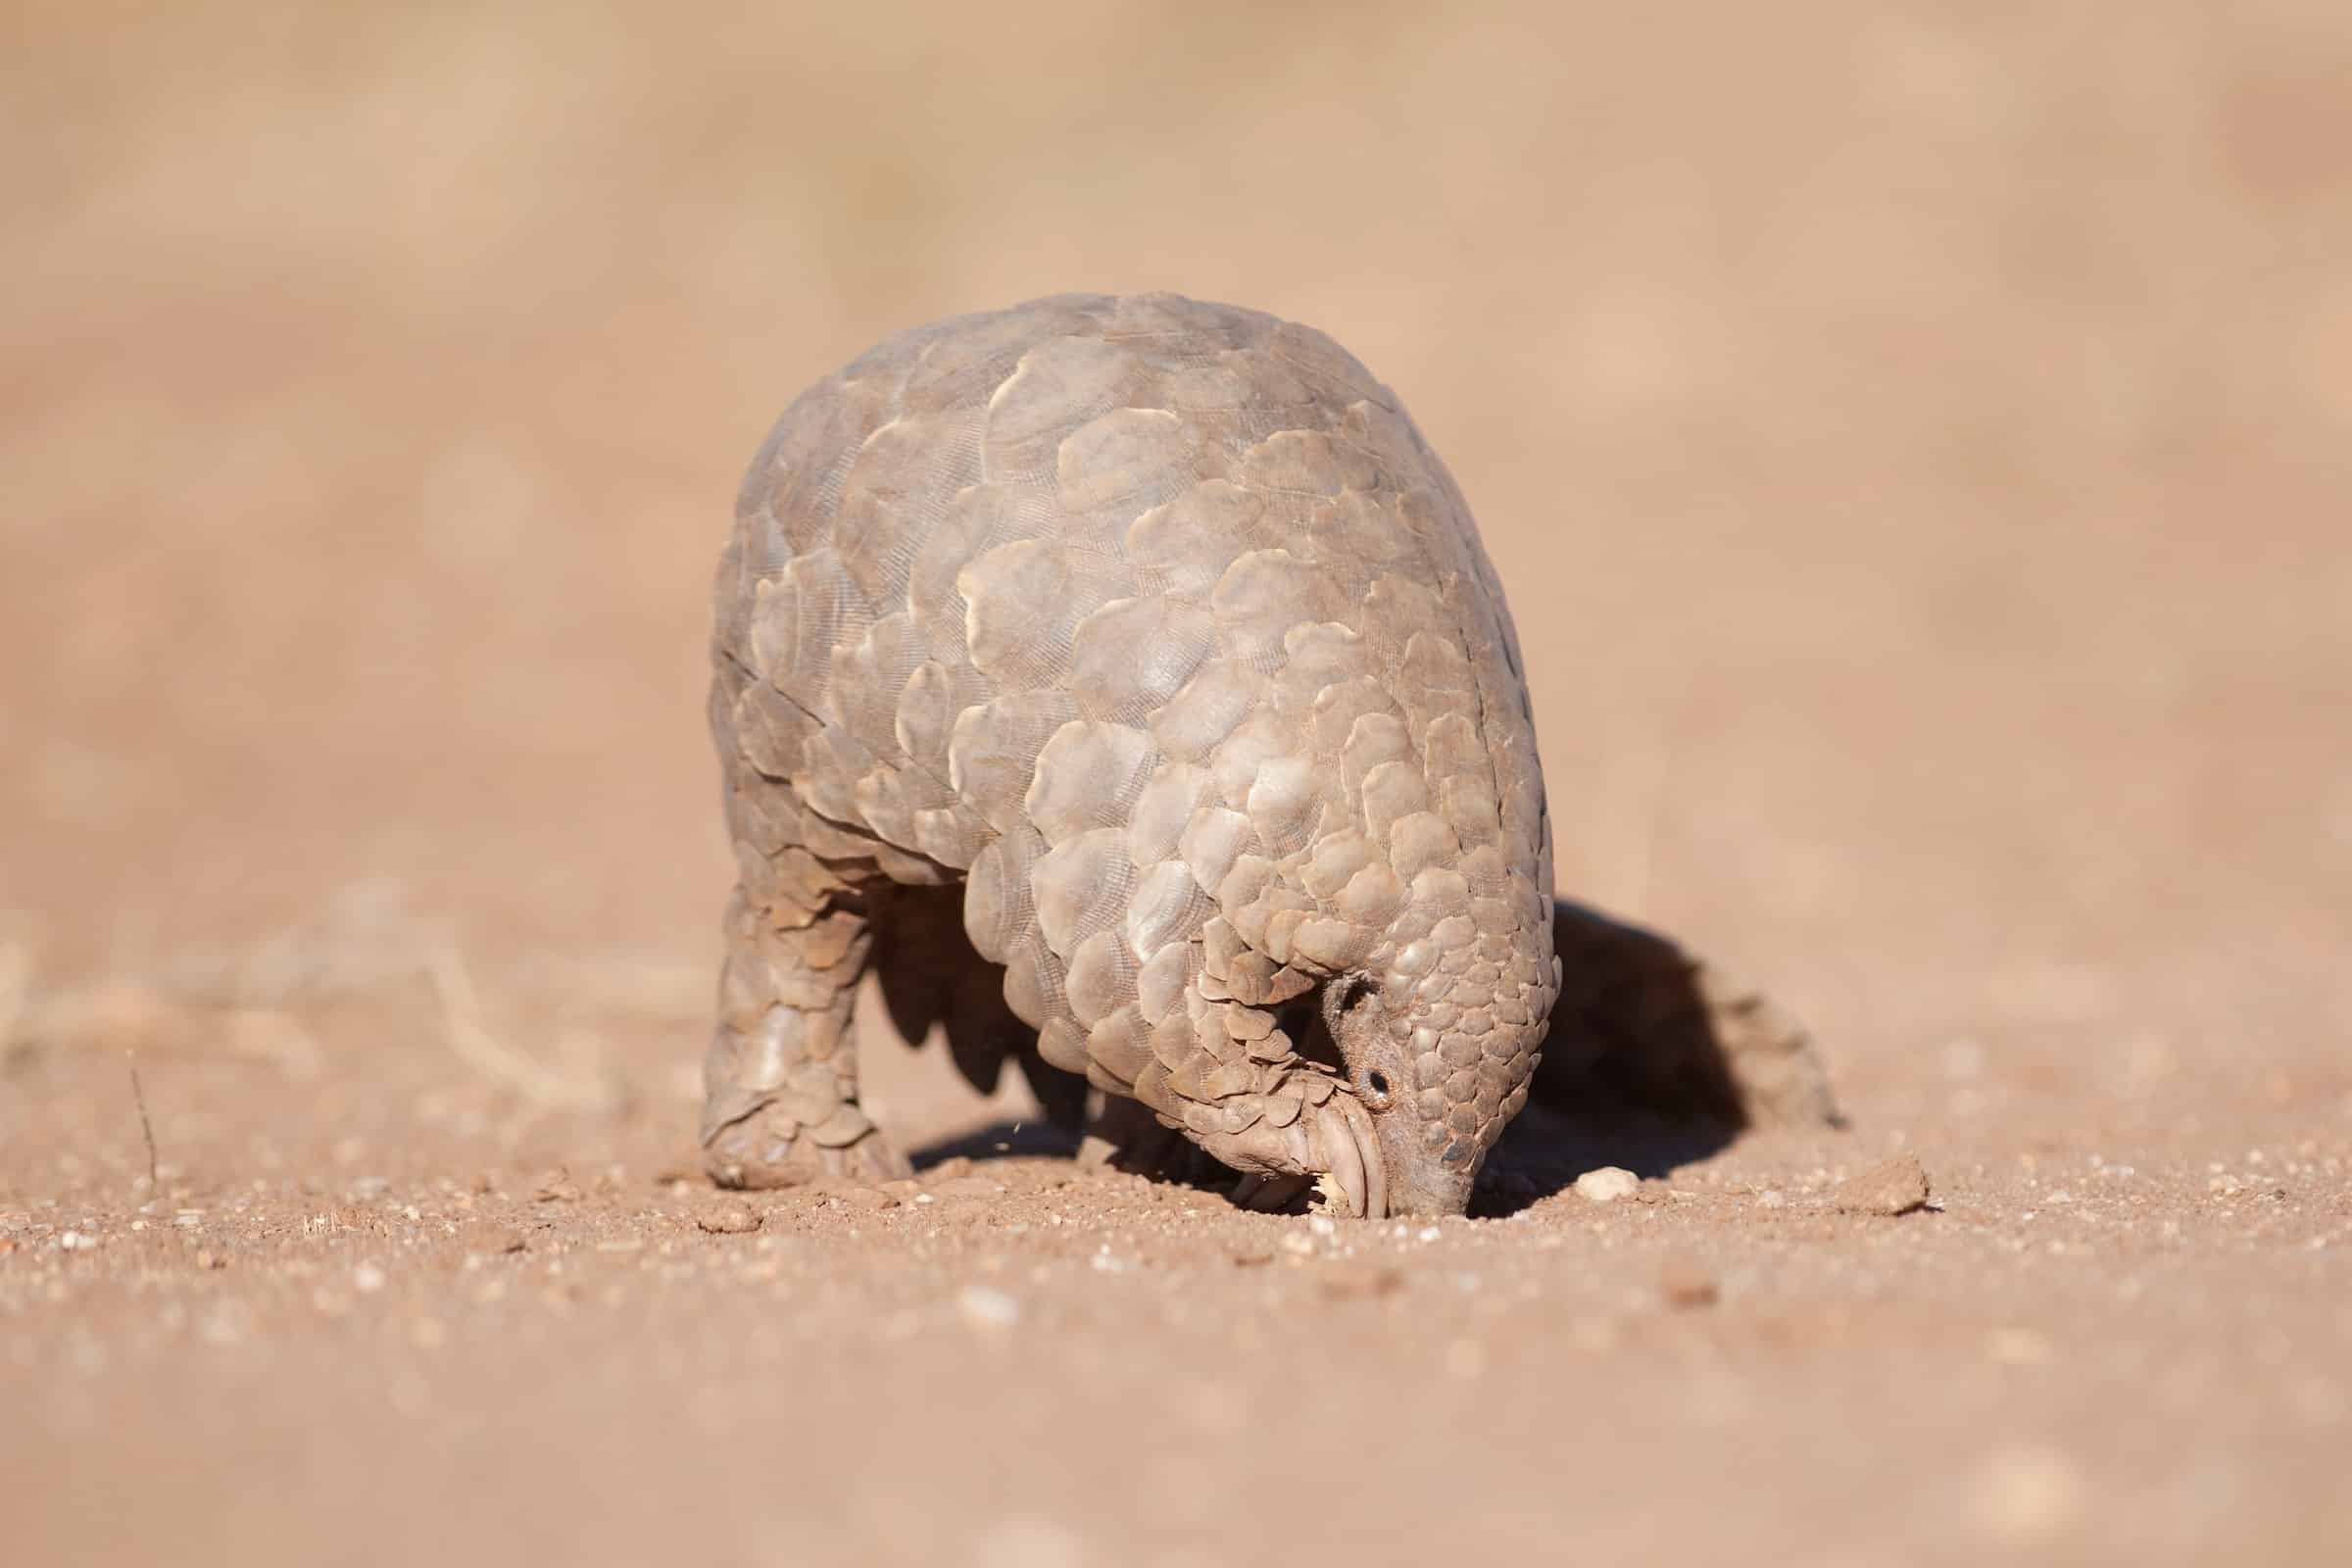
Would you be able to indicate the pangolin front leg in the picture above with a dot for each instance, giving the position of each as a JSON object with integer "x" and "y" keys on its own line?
{"x": 1224, "y": 1070}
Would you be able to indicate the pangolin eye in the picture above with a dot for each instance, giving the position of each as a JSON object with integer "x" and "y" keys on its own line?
{"x": 1376, "y": 1089}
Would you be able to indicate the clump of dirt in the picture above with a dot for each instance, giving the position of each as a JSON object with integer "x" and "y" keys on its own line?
{"x": 1897, "y": 1186}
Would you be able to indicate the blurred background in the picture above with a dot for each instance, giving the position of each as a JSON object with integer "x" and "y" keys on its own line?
{"x": 1913, "y": 438}
{"x": 1916, "y": 440}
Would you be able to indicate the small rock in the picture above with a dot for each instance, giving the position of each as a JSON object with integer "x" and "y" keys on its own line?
{"x": 555, "y": 1187}
{"x": 871, "y": 1197}
{"x": 1897, "y": 1186}
{"x": 1685, "y": 1285}
{"x": 366, "y": 1279}
{"x": 946, "y": 1170}
{"x": 985, "y": 1308}
{"x": 1607, "y": 1185}
{"x": 733, "y": 1219}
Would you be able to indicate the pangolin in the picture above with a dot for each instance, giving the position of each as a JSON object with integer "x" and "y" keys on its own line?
{"x": 1153, "y": 633}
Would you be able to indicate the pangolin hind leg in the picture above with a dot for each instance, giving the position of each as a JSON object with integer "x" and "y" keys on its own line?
{"x": 780, "y": 1083}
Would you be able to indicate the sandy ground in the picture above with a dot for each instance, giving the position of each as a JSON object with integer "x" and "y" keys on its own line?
{"x": 1915, "y": 445}
{"x": 380, "y": 1311}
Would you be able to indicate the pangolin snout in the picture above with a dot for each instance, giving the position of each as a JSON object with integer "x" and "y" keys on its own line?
{"x": 1407, "y": 1138}
{"x": 1418, "y": 1186}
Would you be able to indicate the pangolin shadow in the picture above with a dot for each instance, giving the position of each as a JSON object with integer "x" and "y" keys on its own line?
{"x": 1654, "y": 1060}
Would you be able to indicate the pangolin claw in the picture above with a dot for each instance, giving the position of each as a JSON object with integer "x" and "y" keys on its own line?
{"x": 769, "y": 1148}
{"x": 1332, "y": 1144}
{"x": 1354, "y": 1178}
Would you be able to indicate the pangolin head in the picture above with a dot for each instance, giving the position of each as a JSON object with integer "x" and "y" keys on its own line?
{"x": 1439, "y": 1047}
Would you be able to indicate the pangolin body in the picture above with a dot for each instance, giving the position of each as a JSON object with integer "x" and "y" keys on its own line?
{"x": 1154, "y": 625}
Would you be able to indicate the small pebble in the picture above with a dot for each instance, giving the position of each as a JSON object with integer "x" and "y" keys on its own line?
{"x": 985, "y": 1308}
{"x": 366, "y": 1279}
{"x": 1685, "y": 1285}
{"x": 557, "y": 1187}
{"x": 733, "y": 1219}
{"x": 1897, "y": 1186}
{"x": 1607, "y": 1185}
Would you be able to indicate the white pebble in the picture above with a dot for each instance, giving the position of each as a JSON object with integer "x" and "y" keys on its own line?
{"x": 988, "y": 1308}
{"x": 366, "y": 1278}
{"x": 1607, "y": 1185}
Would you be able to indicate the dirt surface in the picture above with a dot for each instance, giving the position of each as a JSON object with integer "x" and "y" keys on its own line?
{"x": 1913, "y": 444}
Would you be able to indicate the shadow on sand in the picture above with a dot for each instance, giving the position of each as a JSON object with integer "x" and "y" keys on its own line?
{"x": 1655, "y": 1059}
